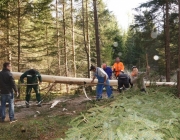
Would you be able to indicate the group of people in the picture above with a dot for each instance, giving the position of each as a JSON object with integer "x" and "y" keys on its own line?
{"x": 104, "y": 74}
{"x": 8, "y": 88}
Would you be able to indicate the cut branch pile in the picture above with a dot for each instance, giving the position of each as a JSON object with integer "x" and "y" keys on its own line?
{"x": 130, "y": 116}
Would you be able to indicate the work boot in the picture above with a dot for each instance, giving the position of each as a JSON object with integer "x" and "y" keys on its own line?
{"x": 13, "y": 120}
{"x": 143, "y": 90}
{"x": 27, "y": 104}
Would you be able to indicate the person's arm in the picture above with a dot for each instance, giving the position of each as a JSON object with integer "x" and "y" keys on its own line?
{"x": 22, "y": 77}
{"x": 110, "y": 71}
{"x": 12, "y": 82}
{"x": 39, "y": 77}
{"x": 122, "y": 66}
{"x": 93, "y": 79}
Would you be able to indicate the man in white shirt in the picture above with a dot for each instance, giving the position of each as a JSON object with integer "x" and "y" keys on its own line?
{"x": 103, "y": 81}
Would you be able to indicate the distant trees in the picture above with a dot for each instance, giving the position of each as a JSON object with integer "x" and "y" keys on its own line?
{"x": 57, "y": 37}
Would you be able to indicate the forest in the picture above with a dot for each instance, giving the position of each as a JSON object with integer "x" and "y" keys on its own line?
{"x": 64, "y": 37}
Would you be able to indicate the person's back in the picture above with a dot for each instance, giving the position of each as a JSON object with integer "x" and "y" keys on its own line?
{"x": 6, "y": 82}
{"x": 123, "y": 80}
{"x": 118, "y": 67}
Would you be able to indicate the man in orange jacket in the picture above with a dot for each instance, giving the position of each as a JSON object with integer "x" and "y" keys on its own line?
{"x": 118, "y": 67}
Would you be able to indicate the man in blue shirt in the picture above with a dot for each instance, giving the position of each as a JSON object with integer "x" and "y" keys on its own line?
{"x": 108, "y": 70}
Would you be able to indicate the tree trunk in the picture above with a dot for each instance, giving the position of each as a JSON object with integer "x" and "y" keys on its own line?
{"x": 167, "y": 48}
{"x": 8, "y": 37}
{"x": 64, "y": 42}
{"x": 57, "y": 40}
{"x": 87, "y": 39}
{"x": 97, "y": 34}
{"x": 178, "y": 71}
{"x": 84, "y": 36}
{"x": 73, "y": 42}
{"x": 19, "y": 36}
{"x": 47, "y": 50}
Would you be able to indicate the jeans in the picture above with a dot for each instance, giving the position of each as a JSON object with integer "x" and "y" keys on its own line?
{"x": 10, "y": 99}
{"x": 99, "y": 89}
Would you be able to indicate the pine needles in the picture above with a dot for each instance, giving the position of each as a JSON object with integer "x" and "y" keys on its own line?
{"x": 134, "y": 115}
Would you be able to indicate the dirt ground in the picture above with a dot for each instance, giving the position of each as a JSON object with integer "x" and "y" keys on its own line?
{"x": 65, "y": 106}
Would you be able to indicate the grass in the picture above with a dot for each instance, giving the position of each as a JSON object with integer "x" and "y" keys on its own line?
{"x": 40, "y": 128}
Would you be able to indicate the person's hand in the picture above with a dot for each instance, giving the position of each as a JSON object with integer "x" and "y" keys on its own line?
{"x": 17, "y": 94}
{"x": 105, "y": 83}
{"x": 92, "y": 81}
{"x": 40, "y": 83}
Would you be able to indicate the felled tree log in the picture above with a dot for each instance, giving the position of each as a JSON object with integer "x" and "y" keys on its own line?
{"x": 82, "y": 81}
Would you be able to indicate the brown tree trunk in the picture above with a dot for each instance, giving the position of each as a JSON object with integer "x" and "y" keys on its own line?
{"x": 167, "y": 48}
{"x": 57, "y": 42}
{"x": 97, "y": 34}
{"x": 87, "y": 39}
{"x": 19, "y": 36}
{"x": 178, "y": 71}
{"x": 8, "y": 36}
{"x": 64, "y": 42}
{"x": 73, "y": 43}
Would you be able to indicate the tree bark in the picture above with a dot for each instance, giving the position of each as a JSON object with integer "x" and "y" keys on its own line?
{"x": 87, "y": 39}
{"x": 167, "y": 48}
{"x": 8, "y": 36}
{"x": 97, "y": 34}
{"x": 19, "y": 35}
{"x": 178, "y": 70}
{"x": 64, "y": 42}
{"x": 73, "y": 42}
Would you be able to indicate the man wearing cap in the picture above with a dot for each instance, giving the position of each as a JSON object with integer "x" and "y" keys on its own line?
{"x": 33, "y": 77}
{"x": 102, "y": 81}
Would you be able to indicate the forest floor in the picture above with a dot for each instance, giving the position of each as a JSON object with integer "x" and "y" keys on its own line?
{"x": 44, "y": 123}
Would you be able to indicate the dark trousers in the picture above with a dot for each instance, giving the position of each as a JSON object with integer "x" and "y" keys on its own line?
{"x": 124, "y": 82}
{"x": 36, "y": 90}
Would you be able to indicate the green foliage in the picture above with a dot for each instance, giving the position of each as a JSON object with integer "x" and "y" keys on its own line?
{"x": 132, "y": 115}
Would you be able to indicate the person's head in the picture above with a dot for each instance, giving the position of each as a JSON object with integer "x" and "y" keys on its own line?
{"x": 32, "y": 72}
{"x": 117, "y": 59}
{"x": 104, "y": 66}
{"x": 92, "y": 68}
{"x": 135, "y": 70}
{"x": 7, "y": 65}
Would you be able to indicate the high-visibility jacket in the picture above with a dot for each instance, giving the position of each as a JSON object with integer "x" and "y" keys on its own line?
{"x": 117, "y": 67}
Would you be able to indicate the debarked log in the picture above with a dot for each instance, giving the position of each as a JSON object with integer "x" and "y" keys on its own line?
{"x": 87, "y": 81}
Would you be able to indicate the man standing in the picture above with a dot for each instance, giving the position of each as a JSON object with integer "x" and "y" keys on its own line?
{"x": 118, "y": 67}
{"x": 108, "y": 71}
{"x": 102, "y": 81}
{"x": 7, "y": 85}
{"x": 32, "y": 83}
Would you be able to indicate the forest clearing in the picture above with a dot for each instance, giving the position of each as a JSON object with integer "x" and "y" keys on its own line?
{"x": 70, "y": 71}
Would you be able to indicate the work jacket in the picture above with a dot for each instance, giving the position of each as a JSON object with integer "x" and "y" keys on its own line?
{"x": 7, "y": 83}
{"x": 117, "y": 68}
{"x": 31, "y": 78}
